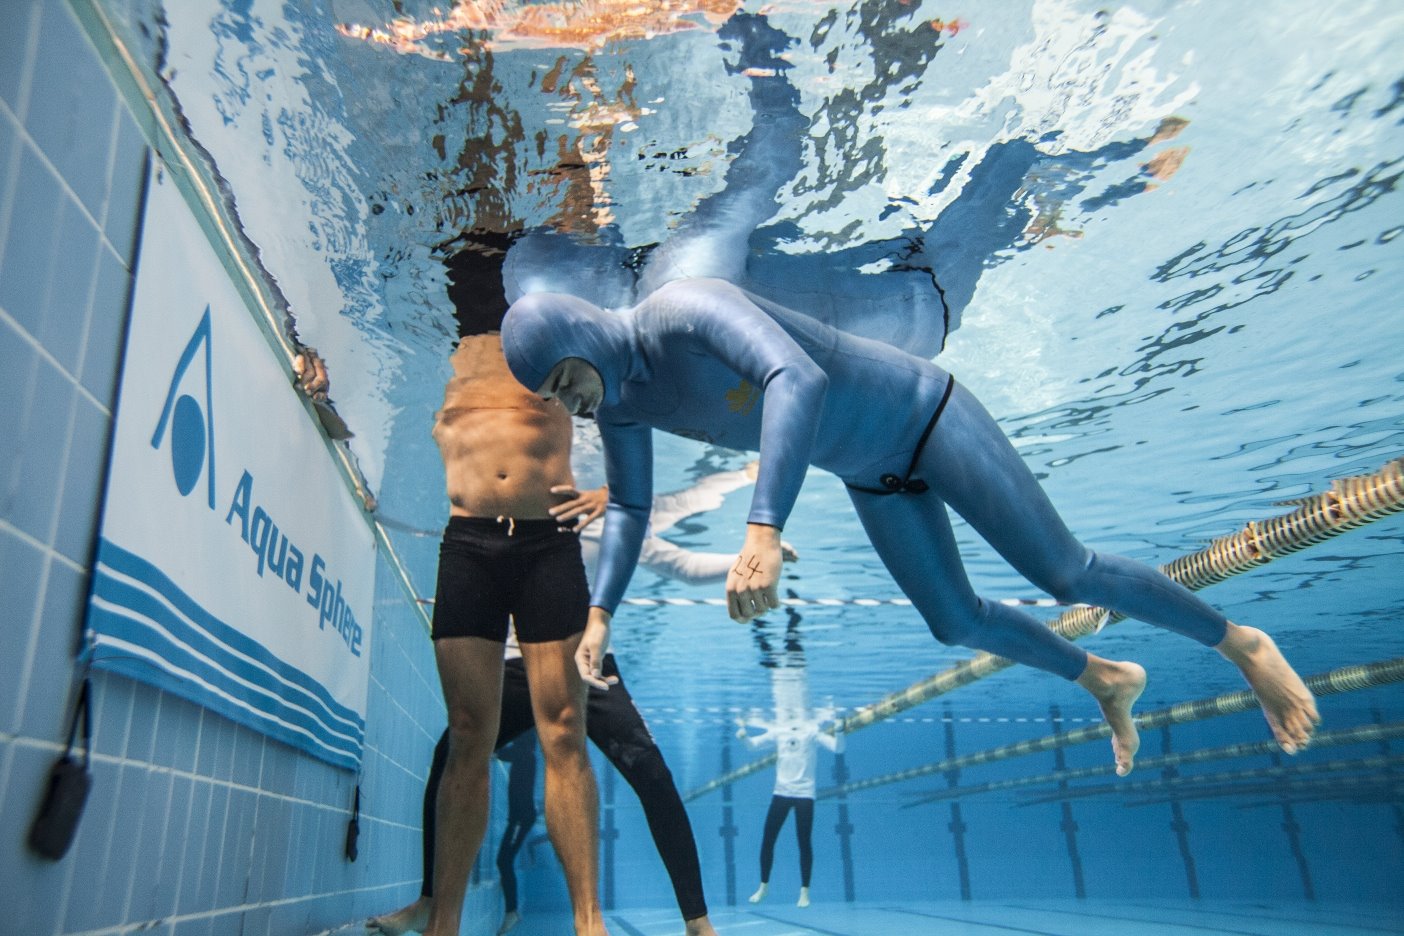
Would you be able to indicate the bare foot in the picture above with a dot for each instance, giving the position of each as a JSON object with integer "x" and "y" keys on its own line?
{"x": 1116, "y": 687}
{"x": 700, "y": 926}
{"x": 1287, "y": 703}
{"x": 803, "y": 898}
{"x": 510, "y": 919}
{"x": 410, "y": 919}
{"x": 759, "y": 895}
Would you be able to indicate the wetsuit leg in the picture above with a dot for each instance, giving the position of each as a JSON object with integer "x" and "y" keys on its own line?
{"x": 804, "y": 834}
{"x": 774, "y": 819}
{"x": 912, "y": 535}
{"x": 976, "y": 470}
{"x": 615, "y": 726}
{"x": 513, "y": 839}
{"x": 521, "y": 812}
{"x": 431, "y": 800}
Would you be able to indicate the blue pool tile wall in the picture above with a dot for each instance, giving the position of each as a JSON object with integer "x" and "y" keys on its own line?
{"x": 194, "y": 825}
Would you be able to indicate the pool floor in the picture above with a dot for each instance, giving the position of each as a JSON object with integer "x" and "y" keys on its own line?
{"x": 1046, "y": 917}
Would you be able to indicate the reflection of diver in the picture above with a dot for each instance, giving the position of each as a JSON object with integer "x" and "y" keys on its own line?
{"x": 902, "y": 305}
{"x": 795, "y": 732}
{"x": 520, "y": 757}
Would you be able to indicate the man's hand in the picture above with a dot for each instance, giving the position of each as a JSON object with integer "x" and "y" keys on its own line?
{"x": 594, "y": 644}
{"x": 583, "y": 508}
{"x": 751, "y": 585}
{"x": 311, "y": 374}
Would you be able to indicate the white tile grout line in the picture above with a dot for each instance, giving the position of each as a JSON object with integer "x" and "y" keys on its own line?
{"x": 30, "y": 54}
{"x": 7, "y": 319}
{"x": 93, "y": 277}
{"x": 50, "y": 554}
{"x": 27, "y": 142}
{"x": 21, "y": 741}
{"x": 43, "y": 548}
{"x": 122, "y": 929}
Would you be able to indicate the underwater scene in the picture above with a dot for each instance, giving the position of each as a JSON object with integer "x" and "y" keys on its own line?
{"x": 1156, "y": 242}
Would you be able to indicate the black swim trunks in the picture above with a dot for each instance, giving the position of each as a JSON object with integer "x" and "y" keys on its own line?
{"x": 527, "y": 570}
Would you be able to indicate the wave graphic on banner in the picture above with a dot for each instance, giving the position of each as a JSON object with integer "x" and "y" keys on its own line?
{"x": 143, "y": 622}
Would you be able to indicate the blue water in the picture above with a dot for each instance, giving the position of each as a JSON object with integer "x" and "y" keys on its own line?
{"x": 1182, "y": 324}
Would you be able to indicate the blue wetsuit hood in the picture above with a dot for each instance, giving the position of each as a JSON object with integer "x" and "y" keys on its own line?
{"x": 543, "y": 329}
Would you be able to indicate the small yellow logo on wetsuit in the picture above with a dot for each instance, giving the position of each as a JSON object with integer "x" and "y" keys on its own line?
{"x": 742, "y": 398}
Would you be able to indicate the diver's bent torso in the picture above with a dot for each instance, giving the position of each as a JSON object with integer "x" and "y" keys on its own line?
{"x": 879, "y": 399}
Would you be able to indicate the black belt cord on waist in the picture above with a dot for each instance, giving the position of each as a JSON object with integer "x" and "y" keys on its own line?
{"x": 891, "y": 484}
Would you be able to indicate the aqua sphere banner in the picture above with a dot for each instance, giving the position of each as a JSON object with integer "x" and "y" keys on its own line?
{"x": 233, "y": 566}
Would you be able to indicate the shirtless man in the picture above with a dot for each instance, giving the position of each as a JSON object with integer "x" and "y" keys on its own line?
{"x": 505, "y": 554}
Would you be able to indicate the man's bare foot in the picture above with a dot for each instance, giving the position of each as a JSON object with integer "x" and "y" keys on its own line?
{"x": 803, "y": 898}
{"x": 1287, "y": 703}
{"x": 699, "y": 926}
{"x": 759, "y": 895}
{"x": 1116, "y": 687}
{"x": 410, "y": 919}
{"x": 509, "y": 921}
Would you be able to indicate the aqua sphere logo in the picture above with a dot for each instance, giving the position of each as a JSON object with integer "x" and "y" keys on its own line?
{"x": 191, "y": 425}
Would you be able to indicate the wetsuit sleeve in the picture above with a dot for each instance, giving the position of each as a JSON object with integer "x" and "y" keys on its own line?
{"x": 628, "y": 449}
{"x": 793, "y": 391}
{"x": 764, "y": 739}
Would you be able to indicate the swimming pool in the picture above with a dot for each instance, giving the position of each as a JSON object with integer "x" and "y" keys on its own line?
{"x": 1165, "y": 237}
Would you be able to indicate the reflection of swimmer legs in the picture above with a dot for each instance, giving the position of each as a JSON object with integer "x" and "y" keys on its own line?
{"x": 712, "y": 241}
{"x": 780, "y": 807}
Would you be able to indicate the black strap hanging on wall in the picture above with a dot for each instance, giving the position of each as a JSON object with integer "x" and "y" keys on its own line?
{"x": 56, "y": 822}
{"x": 353, "y": 828}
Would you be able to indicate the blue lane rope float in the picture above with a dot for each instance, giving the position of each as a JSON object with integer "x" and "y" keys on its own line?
{"x": 1350, "y": 503}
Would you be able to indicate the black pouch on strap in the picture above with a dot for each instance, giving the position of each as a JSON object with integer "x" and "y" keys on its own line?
{"x": 353, "y": 828}
{"x": 56, "y": 823}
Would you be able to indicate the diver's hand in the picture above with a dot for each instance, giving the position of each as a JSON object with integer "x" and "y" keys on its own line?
{"x": 594, "y": 644}
{"x": 752, "y": 583}
{"x": 583, "y": 508}
{"x": 311, "y": 372}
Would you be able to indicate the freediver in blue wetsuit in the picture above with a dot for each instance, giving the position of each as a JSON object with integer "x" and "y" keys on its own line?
{"x": 701, "y": 357}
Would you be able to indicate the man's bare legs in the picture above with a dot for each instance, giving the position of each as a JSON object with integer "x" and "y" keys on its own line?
{"x": 1287, "y": 703}
{"x": 411, "y": 918}
{"x": 470, "y": 669}
{"x": 572, "y": 802}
